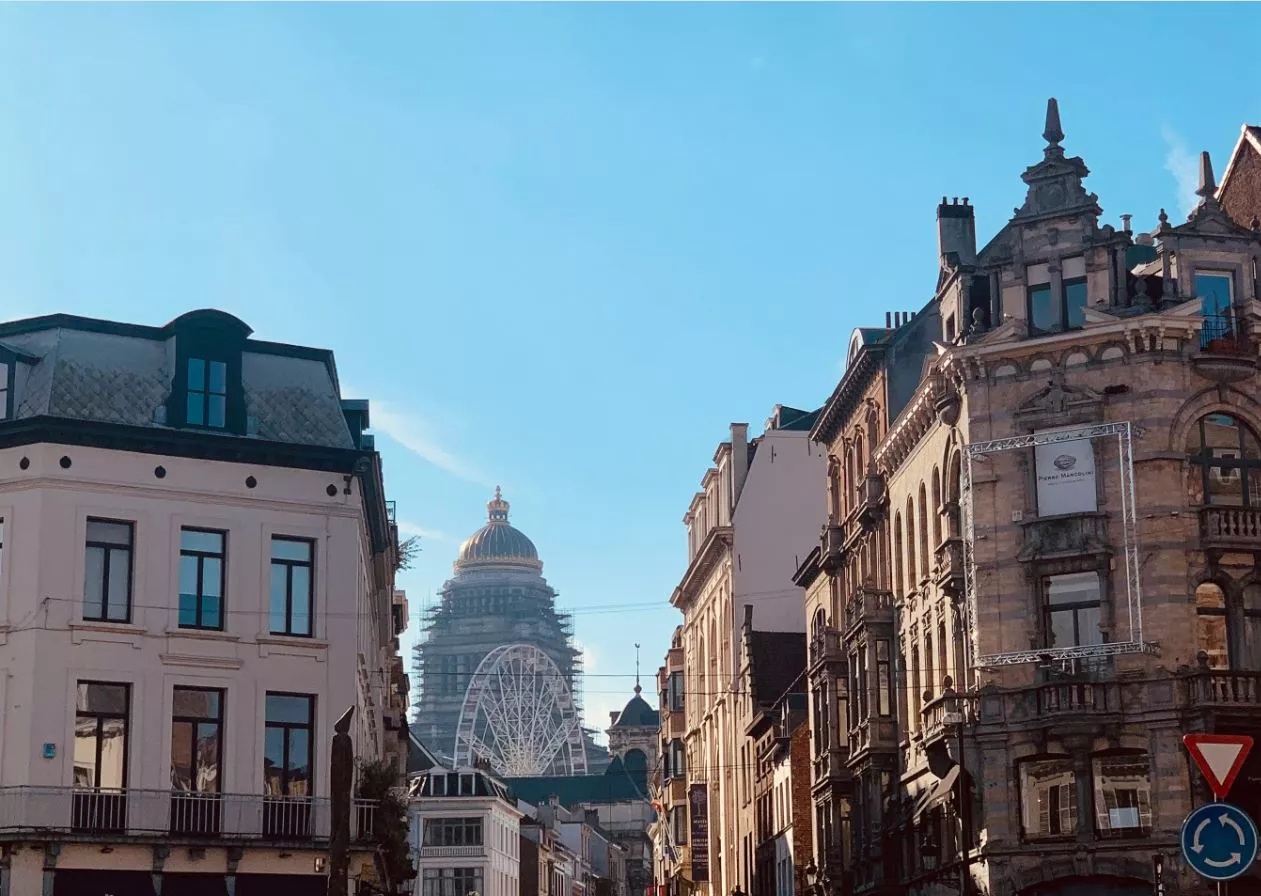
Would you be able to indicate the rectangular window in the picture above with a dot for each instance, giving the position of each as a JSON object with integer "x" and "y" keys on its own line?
{"x": 107, "y": 577}
{"x": 453, "y": 832}
{"x": 1123, "y": 795}
{"x": 202, "y": 556}
{"x": 1071, "y": 604}
{"x": 197, "y": 740}
{"x": 292, "y": 562}
{"x": 884, "y": 679}
{"x": 101, "y": 734}
{"x": 1044, "y": 317}
{"x": 676, "y": 691}
{"x": 1075, "y": 303}
{"x": 288, "y": 734}
{"x": 207, "y": 403}
{"x": 451, "y": 881}
{"x": 6, "y": 390}
{"x": 1048, "y": 793}
{"x": 1215, "y": 293}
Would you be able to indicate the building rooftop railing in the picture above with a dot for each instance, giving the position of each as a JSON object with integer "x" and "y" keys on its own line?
{"x": 102, "y": 813}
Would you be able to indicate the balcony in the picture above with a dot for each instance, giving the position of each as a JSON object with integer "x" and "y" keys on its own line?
{"x": 1230, "y": 527}
{"x": 872, "y": 497}
{"x": 1066, "y": 704}
{"x": 1220, "y": 689}
{"x": 114, "y": 814}
{"x": 879, "y": 734}
{"x": 1226, "y": 353}
{"x": 829, "y": 767}
{"x": 948, "y": 566}
{"x": 826, "y": 648}
{"x": 832, "y": 548}
{"x": 869, "y": 606}
{"x": 1049, "y": 537}
{"x": 453, "y": 852}
{"x": 942, "y": 716}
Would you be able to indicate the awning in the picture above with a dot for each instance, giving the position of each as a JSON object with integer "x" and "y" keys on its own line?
{"x": 194, "y": 885}
{"x": 281, "y": 885}
{"x": 936, "y": 793}
{"x": 102, "y": 883}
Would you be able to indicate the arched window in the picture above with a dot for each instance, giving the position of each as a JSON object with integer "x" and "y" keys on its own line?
{"x": 937, "y": 509}
{"x": 954, "y": 495}
{"x": 1227, "y": 456}
{"x": 1212, "y": 630}
{"x": 897, "y": 556}
{"x": 910, "y": 544}
{"x": 917, "y": 692}
{"x": 1252, "y": 626}
{"x": 860, "y": 462}
{"x": 923, "y": 531}
{"x": 834, "y": 490}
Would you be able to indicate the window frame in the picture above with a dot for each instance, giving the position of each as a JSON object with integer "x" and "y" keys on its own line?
{"x": 289, "y": 566}
{"x": 1098, "y": 797}
{"x": 1029, "y": 802}
{"x": 200, "y": 557}
{"x": 884, "y": 677}
{"x": 1248, "y": 469}
{"x": 206, "y": 393}
{"x": 1215, "y": 274}
{"x": 1059, "y": 305}
{"x": 8, "y": 379}
{"x": 1048, "y": 611}
{"x": 109, "y": 548}
{"x": 286, "y": 728}
{"x": 195, "y": 721}
{"x": 100, "y": 718}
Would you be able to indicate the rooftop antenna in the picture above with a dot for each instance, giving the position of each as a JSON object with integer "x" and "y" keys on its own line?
{"x": 637, "y": 687}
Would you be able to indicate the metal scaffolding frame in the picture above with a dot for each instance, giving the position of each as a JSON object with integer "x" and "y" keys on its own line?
{"x": 1123, "y": 432}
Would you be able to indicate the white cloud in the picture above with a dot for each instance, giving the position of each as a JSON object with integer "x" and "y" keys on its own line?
{"x": 412, "y": 433}
{"x": 1184, "y": 165}
{"x": 407, "y": 529}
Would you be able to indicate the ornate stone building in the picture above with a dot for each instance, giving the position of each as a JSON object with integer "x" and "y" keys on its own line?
{"x": 1061, "y": 550}
{"x": 498, "y": 615}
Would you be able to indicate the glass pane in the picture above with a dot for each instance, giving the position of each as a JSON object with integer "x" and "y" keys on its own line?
{"x": 181, "y": 756}
{"x": 211, "y": 612}
{"x": 1122, "y": 794}
{"x": 212, "y": 576}
{"x": 1209, "y": 597}
{"x": 1062, "y": 629}
{"x": 1211, "y": 638}
{"x": 85, "y": 752}
{"x": 196, "y": 374}
{"x": 1075, "y": 302}
{"x": 279, "y": 596}
{"x": 273, "y": 760}
{"x": 109, "y": 533}
{"x": 113, "y": 769}
{"x": 291, "y": 549}
{"x": 1251, "y": 448}
{"x": 188, "y": 610}
{"x": 195, "y": 408}
{"x": 94, "y": 584}
{"x": 201, "y": 541}
{"x": 119, "y": 584}
{"x": 208, "y": 757}
{"x": 299, "y": 761}
{"x": 1044, "y": 315}
{"x": 289, "y": 708}
{"x": 216, "y": 411}
{"x": 218, "y": 377}
{"x": 300, "y": 614}
{"x": 1252, "y": 640}
{"x": 1074, "y": 588}
{"x": 1048, "y": 792}
{"x": 102, "y": 699}
{"x": 196, "y": 703}
{"x": 1214, "y": 293}
{"x": 1088, "y": 620}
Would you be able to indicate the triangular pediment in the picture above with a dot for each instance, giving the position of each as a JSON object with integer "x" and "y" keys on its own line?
{"x": 1004, "y": 332}
{"x": 1057, "y": 398}
{"x": 1097, "y": 317}
{"x": 1190, "y": 308}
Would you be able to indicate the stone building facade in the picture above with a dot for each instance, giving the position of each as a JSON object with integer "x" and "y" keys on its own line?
{"x": 1062, "y": 554}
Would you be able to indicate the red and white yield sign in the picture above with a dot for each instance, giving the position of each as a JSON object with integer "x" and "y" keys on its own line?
{"x": 1220, "y": 757}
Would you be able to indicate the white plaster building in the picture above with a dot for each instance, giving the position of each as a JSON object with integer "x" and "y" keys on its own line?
{"x": 466, "y": 831}
{"x": 757, "y": 505}
{"x": 197, "y": 581}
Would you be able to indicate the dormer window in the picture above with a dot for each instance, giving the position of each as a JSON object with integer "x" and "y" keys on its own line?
{"x": 207, "y": 395}
{"x": 1049, "y": 313}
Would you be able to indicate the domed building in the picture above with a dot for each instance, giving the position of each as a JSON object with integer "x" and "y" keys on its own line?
{"x": 498, "y": 674}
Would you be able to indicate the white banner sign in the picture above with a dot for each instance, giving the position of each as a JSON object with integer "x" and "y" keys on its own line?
{"x": 1066, "y": 477}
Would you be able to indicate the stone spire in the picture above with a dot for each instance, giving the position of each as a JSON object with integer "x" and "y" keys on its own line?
{"x": 637, "y": 687}
{"x": 1208, "y": 187}
{"x": 1053, "y": 133}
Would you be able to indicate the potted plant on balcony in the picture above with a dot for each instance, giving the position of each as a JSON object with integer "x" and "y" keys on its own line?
{"x": 387, "y": 826}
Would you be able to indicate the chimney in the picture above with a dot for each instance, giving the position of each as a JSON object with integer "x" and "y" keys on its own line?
{"x": 748, "y": 617}
{"x": 888, "y": 319}
{"x": 956, "y": 230}
{"x": 1125, "y": 223}
{"x": 739, "y": 460}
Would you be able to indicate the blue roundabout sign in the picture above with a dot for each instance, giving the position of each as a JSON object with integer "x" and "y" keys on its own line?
{"x": 1219, "y": 841}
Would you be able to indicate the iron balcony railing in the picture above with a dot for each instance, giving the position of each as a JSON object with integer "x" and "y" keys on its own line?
{"x": 1220, "y": 334}
{"x": 135, "y": 812}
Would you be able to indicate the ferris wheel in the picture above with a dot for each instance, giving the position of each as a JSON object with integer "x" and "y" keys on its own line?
{"x": 518, "y": 713}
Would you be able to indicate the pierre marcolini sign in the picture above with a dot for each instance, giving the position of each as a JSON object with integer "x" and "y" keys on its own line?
{"x": 1066, "y": 477}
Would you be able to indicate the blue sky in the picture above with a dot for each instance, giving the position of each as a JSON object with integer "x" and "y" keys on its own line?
{"x": 562, "y": 247}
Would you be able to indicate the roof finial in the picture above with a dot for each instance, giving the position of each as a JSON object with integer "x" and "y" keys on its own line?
{"x": 1053, "y": 134}
{"x": 1208, "y": 187}
{"x": 497, "y": 508}
{"x": 637, "y": 687}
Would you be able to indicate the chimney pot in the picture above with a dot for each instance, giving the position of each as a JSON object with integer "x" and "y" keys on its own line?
{"x": 888, "y": 320}
{"x": 1125, "y": 223}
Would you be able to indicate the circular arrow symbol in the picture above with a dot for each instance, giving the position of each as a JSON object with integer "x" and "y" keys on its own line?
{"x": 1219, "y": 841}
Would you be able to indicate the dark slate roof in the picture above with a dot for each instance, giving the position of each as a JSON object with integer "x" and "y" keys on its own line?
{"x": 101, "y": 371}
{"x": 638, "y": 714}
{"x": 776, "y": 662}
{"x": 419, "y": 757}
{"x": 796, "y": 420}
{"x": 616, "y": 785}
